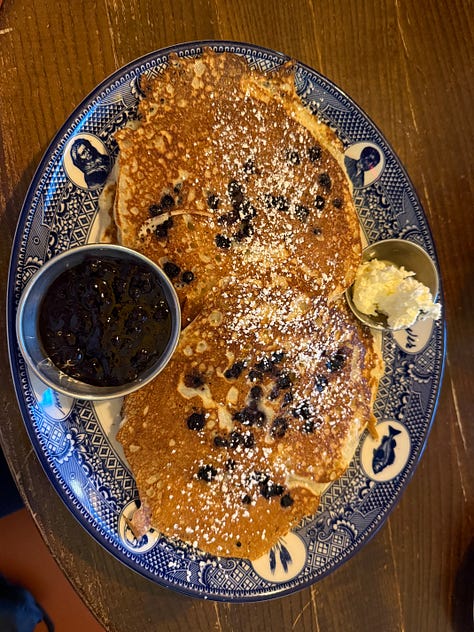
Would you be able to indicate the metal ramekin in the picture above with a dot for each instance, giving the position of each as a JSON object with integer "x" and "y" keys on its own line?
{"x": 400, "y": 252}
{"x": 27, "y": 319}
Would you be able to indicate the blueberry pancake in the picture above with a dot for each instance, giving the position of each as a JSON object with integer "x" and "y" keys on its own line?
{"x": 261, "y": 406}
{"x": 225, "y": 170}
{"x": 239, "y": 193}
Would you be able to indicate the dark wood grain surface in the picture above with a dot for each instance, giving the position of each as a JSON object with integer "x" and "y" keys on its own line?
{"x": 409, "y": 65}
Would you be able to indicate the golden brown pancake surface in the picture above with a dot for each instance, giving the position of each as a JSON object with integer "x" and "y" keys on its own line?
{"x": 226, "y": 169}
{"x": 237, "y": 191}
{"x": 234, "y": 441}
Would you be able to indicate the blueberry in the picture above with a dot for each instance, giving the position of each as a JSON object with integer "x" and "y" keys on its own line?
{"x": 256, "y": 392}
{"x": 228, "y": 219}
{"x": 249, "y": 416}
{"x": 246, "y": 499}
{"x": 255, "y": 375}
{"x": 287, "y": 398}
{"x": 268, "y": 488}
{"x": 314, "y": 153}
{"x": 303, "y": 411}
{"x": 336, "y": 362}
{"x": 301, "y": 212}
{"x": 286, "y": 500}
{"x": 213, "y": 201}
{"x": 319, "y": 202}
{"x": 222, "y": 241}
{"x": 320, "y": 383}
{"x": 236, "y": 194}
{"x": 284, "y": 381}
{"x": 274, "y": 393}
{"x": 154, "y": 210}
{"x": 207, "y": 473}
{"x": 293, "y": 157}
{"x": 161, "y": 231}
{"x": 308, "y": 426}
{"x": 265, "y": 365}
{"x": 143, "y": 283}
{"x": 324, "y": 180}
{"x": 195, "y": 421}
{"x": 279, "y": 427}
{"x": 278, "y": 202}
{"x": 220, "y": 442}
{"x": 187, "y": 277}
{"x": 234, "y": 371}
{"x": 171, "y": 269}
{"x": 246, "y": 230}
{"x": 193, "y": 380}
{"x": 277, "y": 356}
{"x": 248, "y": 440}
{"x": 138, "y": 315}
{"x": 167, "y": 202}
{"x": 277, "y": 490}
{"x": 337, "y": 202}
{"x": 235, "y": 439}
{"x": 140, "y": 359}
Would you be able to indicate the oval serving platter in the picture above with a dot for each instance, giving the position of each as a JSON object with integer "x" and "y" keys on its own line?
{"x": 74, "y": 439}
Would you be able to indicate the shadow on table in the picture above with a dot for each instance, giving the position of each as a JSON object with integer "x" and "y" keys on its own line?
{"x": 10, "y": 499}
{"x": 463, "y": 598}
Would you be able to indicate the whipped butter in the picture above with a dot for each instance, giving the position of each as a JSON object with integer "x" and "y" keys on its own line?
{"x": 382, "y": 287}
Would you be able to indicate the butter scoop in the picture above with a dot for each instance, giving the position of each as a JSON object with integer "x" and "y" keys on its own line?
{"x": 395, "y": 286}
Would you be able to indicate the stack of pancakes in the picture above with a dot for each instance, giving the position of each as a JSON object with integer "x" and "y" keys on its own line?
{"x": 239, "y": 193}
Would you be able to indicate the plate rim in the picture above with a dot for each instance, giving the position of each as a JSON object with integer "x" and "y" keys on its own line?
{"x": 91, "y": 526}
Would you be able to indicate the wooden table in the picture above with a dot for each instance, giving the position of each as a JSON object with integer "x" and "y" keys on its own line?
{"x": 409, "y": 65}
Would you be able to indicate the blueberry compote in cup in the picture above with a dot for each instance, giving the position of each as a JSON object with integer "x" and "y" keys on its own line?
{"x": 98, "y": 321}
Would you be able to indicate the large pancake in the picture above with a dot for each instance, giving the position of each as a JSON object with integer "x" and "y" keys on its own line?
{"x": 226, "y": 169}
{"x": 262, "y": 405}
{"x": 237, "y": 190}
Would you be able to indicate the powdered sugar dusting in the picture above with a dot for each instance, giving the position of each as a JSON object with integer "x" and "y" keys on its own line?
{"x": 244, "y": 205}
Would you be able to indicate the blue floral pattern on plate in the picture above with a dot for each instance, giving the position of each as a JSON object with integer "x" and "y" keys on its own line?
{"x": 74, "y": 440}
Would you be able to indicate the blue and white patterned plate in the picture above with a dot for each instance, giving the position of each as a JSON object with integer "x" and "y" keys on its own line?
{"x": 74, "y": 440}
